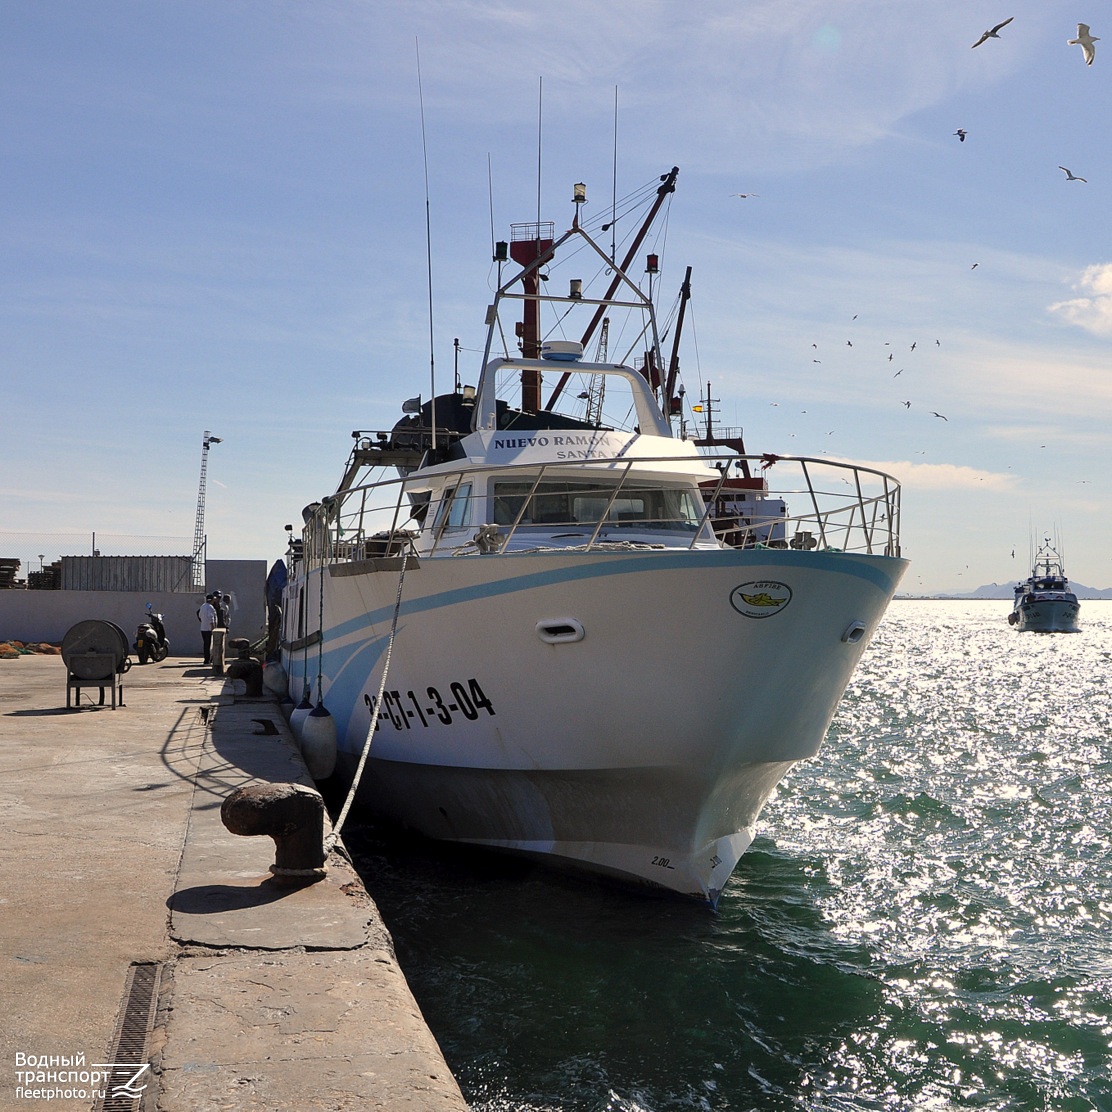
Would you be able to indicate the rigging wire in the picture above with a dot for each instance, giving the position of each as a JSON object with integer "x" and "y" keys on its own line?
{"x": 628, "y": 204}
{"x": 694, "y": 333}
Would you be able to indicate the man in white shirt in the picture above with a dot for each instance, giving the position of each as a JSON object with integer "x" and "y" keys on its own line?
{"x": 207, "y": 617}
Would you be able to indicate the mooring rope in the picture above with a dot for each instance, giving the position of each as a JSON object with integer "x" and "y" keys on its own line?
{"x": 333, "y": 838}
{"x": 320, "y": 633}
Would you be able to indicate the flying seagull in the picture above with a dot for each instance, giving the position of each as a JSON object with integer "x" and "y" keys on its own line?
{"x": 960, "y": 133}
{"x": 1085, "y": 41}
{"x": 1070, "y": 175}
{"x": 744, "y": 196}
{"x": 993, "y": 33}
{"x": 944, "y": 418}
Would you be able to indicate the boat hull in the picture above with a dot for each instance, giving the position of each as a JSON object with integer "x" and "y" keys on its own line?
{"x": 1047, "y": 616}
{"x": 628, "y": 712}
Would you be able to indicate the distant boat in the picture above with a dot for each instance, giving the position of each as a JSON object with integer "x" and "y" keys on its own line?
{"x": 1044, "y": 602}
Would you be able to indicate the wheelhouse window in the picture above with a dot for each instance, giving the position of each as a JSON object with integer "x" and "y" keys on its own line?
{"x": 454, "y": 511}
{"x": 566, "y": 502}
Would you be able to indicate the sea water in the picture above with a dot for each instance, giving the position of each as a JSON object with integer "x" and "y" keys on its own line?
{"x": 924, "y": 922}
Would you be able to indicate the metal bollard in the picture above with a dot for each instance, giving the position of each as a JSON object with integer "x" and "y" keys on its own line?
{"x": 245, "y": 667}
{"x": 291, "y": 814}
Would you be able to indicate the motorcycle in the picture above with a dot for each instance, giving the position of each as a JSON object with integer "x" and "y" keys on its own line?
{"x": 150, "y": 638}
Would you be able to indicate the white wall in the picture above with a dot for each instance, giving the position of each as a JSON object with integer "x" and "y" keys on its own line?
{"x": 47, "y": 615}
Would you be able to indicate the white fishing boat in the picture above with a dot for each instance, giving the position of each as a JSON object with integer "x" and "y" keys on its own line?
{"x": 524, "y": 612}
{"x": 1044, "y": 602}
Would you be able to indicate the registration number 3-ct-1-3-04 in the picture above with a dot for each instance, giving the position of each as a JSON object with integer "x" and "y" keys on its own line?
{"x": 404, "y": 710}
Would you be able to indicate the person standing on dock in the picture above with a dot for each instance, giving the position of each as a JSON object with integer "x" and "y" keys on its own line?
{"x": 208, "y": 618}
{"x": 223, "y": 613}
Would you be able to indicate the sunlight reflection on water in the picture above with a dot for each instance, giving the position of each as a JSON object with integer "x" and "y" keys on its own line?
{"x": 924, "y": 922}
{"x": 962, "y": 808}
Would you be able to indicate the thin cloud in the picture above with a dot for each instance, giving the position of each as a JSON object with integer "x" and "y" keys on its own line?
{"x": 766, "y": 78}
{"x": 944, "y": 476}
{"x": 1093, "y": 312}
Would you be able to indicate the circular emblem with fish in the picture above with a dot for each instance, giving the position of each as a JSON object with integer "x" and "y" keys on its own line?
{"x": 760, "y": 599}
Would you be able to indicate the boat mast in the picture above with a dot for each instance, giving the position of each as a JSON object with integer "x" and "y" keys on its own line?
{"x": 528, "y": 253}
{"x": 668, "y": 401}
{"x": 667, "y": 186}
{"x": 731, "y": 438}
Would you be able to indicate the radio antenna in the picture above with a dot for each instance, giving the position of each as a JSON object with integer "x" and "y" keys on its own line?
{"x": 490, "y": 195}
{"x": 428, "y": 246}
{"x": 540, "y": 105}
{"x": 614, "y": 188}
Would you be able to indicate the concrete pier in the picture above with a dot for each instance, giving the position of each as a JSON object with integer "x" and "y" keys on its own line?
{"x": 135, "y": 930}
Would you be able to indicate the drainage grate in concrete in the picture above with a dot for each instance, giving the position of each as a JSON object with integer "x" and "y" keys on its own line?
{"x": 128, "y": 1066}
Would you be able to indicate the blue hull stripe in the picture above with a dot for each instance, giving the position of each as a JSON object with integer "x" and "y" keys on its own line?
{"x": 881, "y": 576}
{"x": 349, "y": 665}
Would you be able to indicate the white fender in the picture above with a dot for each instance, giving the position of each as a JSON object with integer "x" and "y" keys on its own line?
{"x": 274, "y": 678}
{"x": 318, "y": 742}
{"x": 300, "y": 713}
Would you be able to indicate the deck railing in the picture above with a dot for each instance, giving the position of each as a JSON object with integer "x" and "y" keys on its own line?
{"x": 827, "y": 506}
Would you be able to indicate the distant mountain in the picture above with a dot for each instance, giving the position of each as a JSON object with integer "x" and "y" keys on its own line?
{"x": 1006, "y": 591}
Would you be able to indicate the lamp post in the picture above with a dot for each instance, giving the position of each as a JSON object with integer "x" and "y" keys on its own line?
{"x": 199, "y": 553}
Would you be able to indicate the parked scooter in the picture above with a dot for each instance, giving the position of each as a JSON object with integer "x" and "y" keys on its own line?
{"x": 150, "y": 638}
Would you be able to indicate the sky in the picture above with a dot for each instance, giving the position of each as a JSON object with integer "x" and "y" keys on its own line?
{"x": 214, "y": 216}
